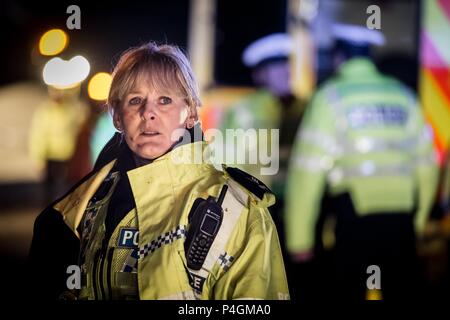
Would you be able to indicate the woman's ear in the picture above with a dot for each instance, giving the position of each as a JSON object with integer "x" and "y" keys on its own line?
{"x": 117, "y": 122}
{"x": 192, "y": 117}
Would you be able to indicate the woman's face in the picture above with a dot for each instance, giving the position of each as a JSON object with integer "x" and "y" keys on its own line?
{"x": 149, "y": 119}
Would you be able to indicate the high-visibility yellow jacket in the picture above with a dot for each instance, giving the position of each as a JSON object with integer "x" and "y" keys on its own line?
{"x": 363, "y": 134}
{"x": 244, "y": 261}
{"x": 54, "y": 130}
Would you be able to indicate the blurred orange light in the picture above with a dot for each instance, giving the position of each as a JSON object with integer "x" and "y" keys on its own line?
{"x": 53, "y": 42}
{"x": 98, "y": 87}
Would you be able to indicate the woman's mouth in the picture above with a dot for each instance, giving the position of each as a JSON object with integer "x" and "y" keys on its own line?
{"x": 150, "y": 133}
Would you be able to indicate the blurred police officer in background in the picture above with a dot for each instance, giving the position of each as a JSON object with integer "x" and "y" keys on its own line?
{"x": 365, "y": 154}
{"x": 271, "y": 106}
{"x": 53, "y": 136}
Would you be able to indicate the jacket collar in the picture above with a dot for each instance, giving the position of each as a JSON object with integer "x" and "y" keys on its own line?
{"x": 180, "y": 166}
{"x": 357, "y": 67}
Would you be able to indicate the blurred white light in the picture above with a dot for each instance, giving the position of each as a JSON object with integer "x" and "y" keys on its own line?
{"x": 308, "y": 9}
{"x": 368, "y": 168}
{"x": 364, "y": 144}
{"x": 61, "y": 73}
{"x": 335, "y": 176}
{"x": 358, "y": 34}
{"x": 326, "y": 162}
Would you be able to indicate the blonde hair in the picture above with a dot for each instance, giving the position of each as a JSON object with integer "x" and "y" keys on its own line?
{"x": 164, "y": 66}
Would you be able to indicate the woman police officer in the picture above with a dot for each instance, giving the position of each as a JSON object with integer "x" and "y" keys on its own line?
{"x": 153, "y": 227}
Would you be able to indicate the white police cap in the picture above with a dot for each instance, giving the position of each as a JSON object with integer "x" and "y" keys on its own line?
{"x": 358, "y": 34}
{"x": 271, "y": 46}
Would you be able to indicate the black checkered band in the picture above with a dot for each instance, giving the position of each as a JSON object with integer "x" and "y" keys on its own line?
{"x": 167, "y": 238}
{"x": 225, "y": 261}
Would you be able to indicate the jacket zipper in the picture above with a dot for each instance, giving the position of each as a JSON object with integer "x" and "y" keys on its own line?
{"x": 95, "y": 275}
{"x": 105, "y": 262}
{"x": 108, "y": 272}
{"x": 102, "y": 264}
{"x": 100, "y": 276}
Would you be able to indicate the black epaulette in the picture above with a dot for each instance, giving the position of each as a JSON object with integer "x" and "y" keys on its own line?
{"x": 248, "y": 181}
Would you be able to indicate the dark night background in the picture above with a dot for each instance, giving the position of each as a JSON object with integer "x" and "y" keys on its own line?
{"x": 108, "y": 28}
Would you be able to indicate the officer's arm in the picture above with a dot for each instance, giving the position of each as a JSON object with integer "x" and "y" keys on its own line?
{"x": 54, "y": 247}
{"x": 258, "y": 271}
{"x": 311, "y": 159}
{"x": 426, "y": 169}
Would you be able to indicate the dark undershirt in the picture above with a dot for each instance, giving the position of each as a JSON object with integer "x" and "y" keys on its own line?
{"x": 122, "y": 201}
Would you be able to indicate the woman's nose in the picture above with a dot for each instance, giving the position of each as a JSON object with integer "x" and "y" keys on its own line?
{"x": 148, "y": 112}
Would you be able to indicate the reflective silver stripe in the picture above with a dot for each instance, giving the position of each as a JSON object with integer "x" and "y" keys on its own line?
{"x": 368, "y": 144}
{"x": 314, "y": 163}
{"x": 324, "y": 141}
{"x": 426, "y": 160}
{"x": 369, "y": 169}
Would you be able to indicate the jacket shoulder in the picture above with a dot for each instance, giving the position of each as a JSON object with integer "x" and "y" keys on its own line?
{"x": 249, "y": 182}
{"x": 258, "y": 192}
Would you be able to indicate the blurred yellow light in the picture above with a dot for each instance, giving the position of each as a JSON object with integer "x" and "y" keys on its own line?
{"x": 98, "y": 87}
{"x": 61, "y": 73}
{"x": 374, "y": 294}
{"x": 53, "y": 42}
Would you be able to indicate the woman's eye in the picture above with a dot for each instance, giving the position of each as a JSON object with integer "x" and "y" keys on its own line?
{"x": 135, "y": 101}
{"x": 165, "y": 100}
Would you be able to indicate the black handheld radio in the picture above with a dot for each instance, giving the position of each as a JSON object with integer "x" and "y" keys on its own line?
{"x": 204, "y": 219}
